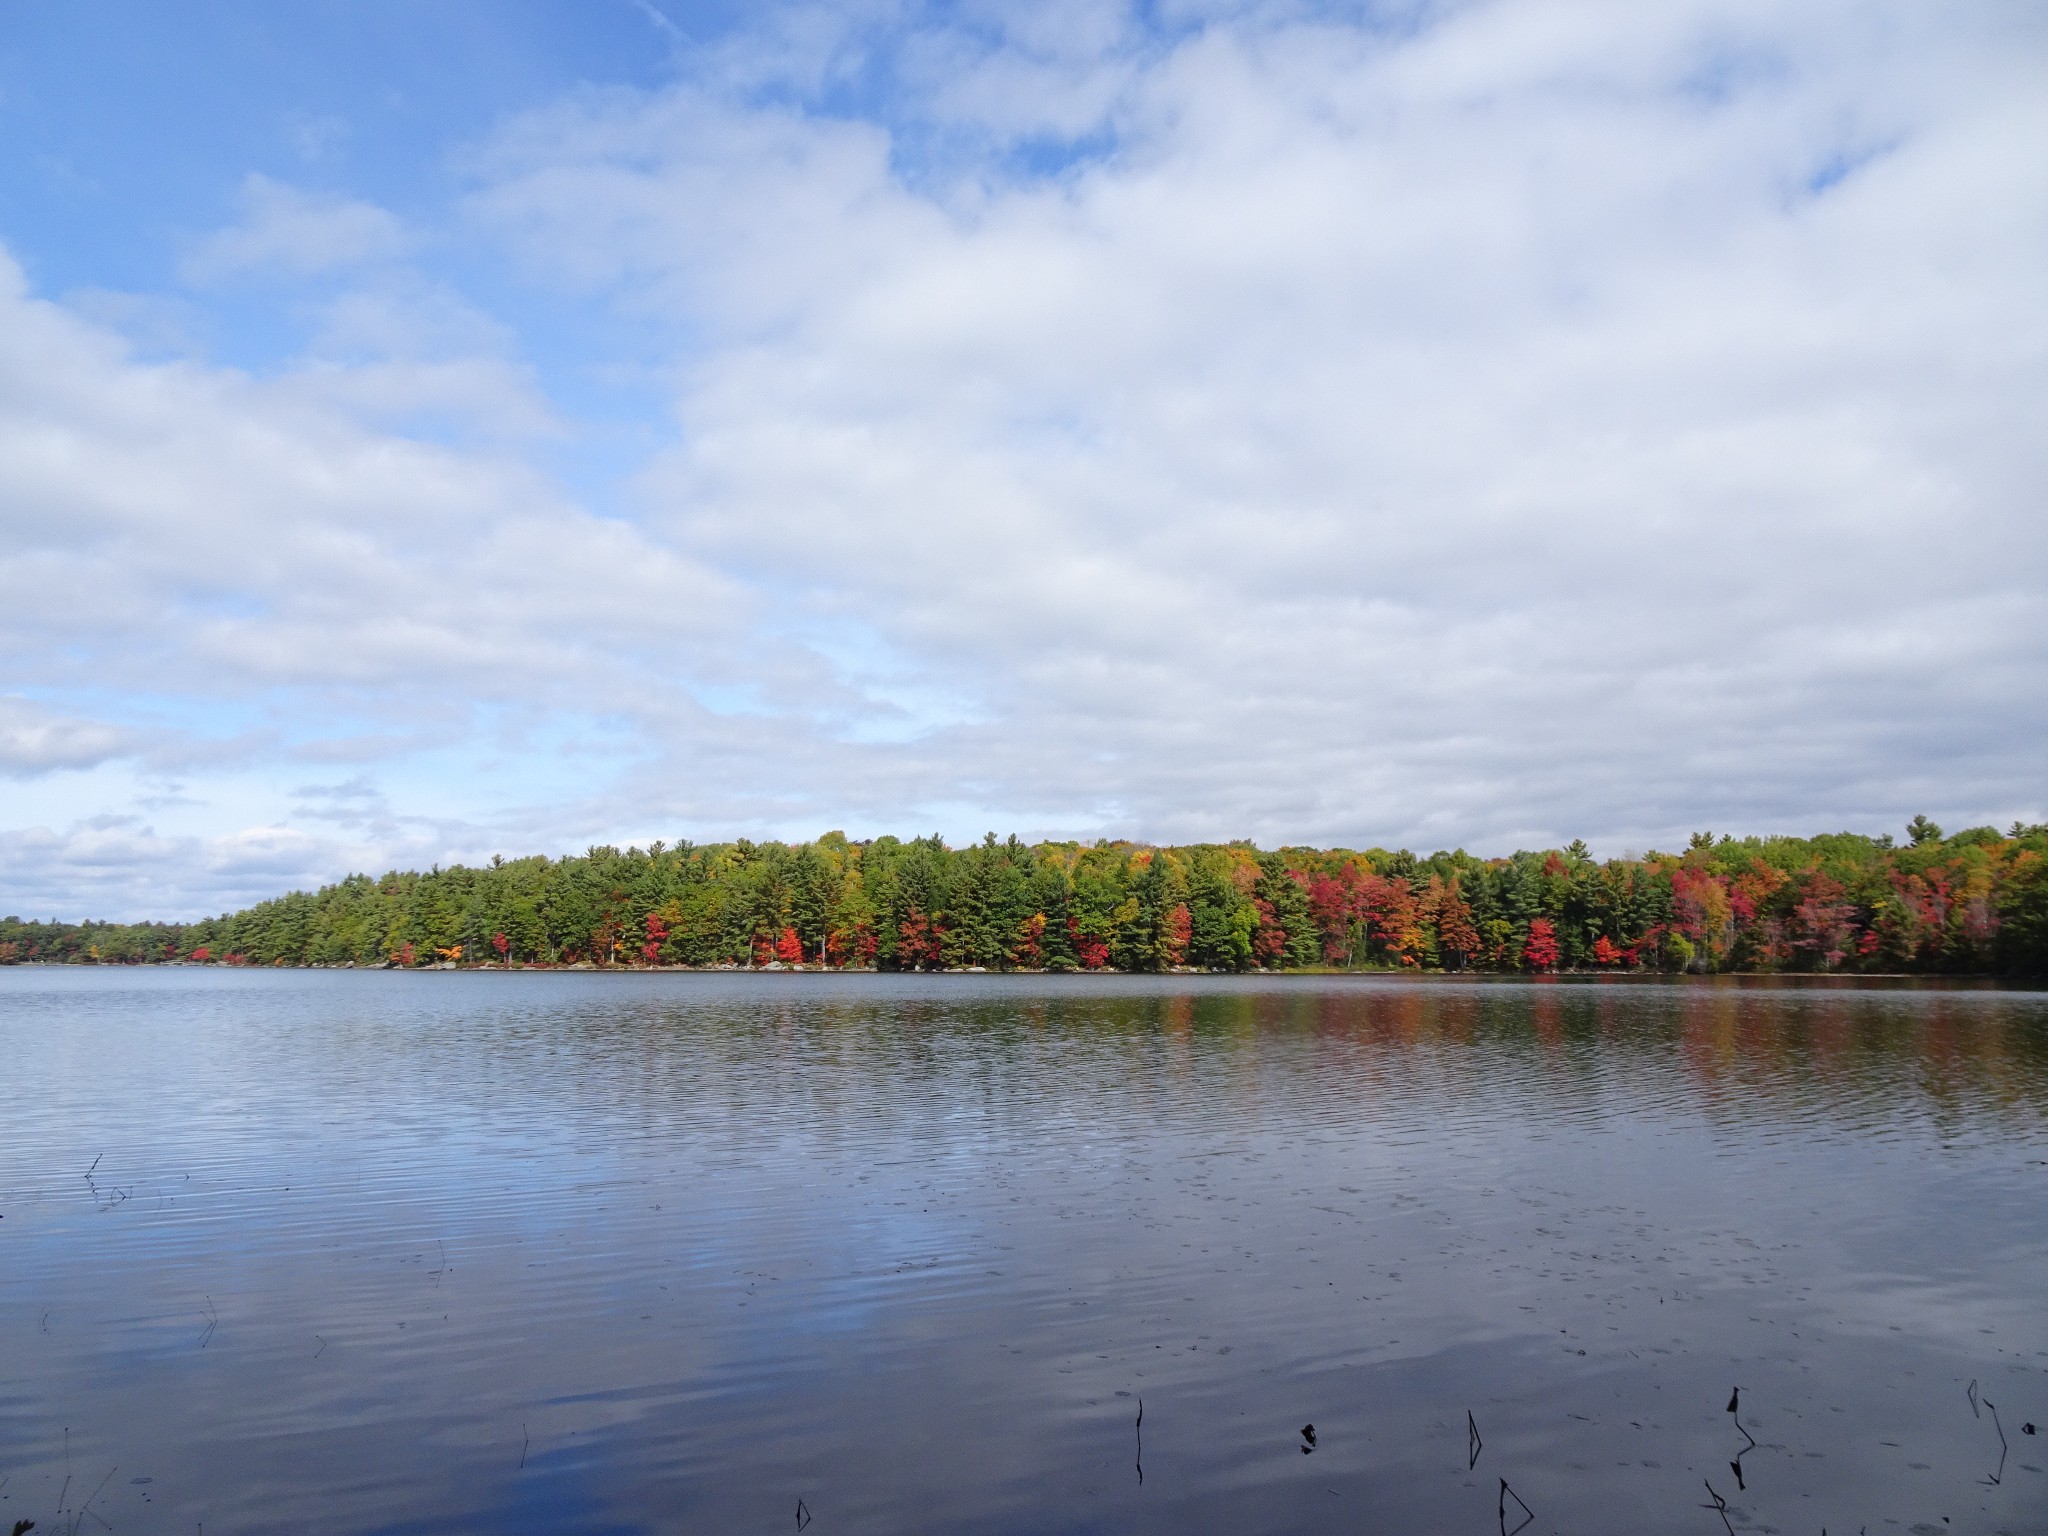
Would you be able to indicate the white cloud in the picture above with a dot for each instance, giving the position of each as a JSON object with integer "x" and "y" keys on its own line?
{"x": 1521, "y": 420}
{"x": 122, "y": 868}
{"x": 278, "y": 583}
{"x": 223, "y": 525}
{"x": 1502, "y": 430}
{"x": 35, "y": 740}
{"x": 286, "y": 230}
{"x": 405, "y": 353}
{"x": 107, "y": 865}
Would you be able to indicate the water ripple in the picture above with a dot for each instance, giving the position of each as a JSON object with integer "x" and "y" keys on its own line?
{"x": 504, "y": 1253}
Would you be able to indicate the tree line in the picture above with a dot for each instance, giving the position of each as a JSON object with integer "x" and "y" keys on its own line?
{"x": 1973, "y": 902}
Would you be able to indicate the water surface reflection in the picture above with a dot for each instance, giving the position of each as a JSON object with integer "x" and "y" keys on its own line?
{"x": 651, "y": 1253}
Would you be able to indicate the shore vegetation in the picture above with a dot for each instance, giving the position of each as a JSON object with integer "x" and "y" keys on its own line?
{"x": 1969, "y": 903}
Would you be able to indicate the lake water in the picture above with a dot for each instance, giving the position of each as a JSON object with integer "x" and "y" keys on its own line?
{"x": 323, "y": 1251}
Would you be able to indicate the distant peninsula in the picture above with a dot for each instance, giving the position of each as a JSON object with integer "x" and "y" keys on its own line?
{"x": 1975, "y": 902}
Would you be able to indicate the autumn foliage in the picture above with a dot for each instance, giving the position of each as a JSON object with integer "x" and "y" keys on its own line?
{"x": 1973, "y": 902}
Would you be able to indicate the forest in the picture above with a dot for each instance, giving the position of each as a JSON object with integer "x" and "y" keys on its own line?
{"x": 1972, "y": 903}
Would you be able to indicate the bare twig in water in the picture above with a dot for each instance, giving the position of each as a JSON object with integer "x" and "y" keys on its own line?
{"x": 86, "y": 1508}
{"x": 212, "y": 1322}
{"x": 2004, "y": 1450}
{"x": 803, "y": 1514}
{"x": 95, "y": 1164}
{"x": 1473, "y": 1444}
{"x": 1528, "y": 1514}
{"x": 524, "y": 1442}
{"x": 1733, "y": 1399}
{"x": 1140, "y": 1428}
{"x": 1735, "y": 1466}
{"x": 1719, "y": 1506}
{"x": 322, "y": 1349}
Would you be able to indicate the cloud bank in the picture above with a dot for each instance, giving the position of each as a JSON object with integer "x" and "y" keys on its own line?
{"x": 1520, "y": 421}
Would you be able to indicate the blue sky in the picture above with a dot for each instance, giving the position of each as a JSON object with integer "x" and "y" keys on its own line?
{"x": 436, "y": 430}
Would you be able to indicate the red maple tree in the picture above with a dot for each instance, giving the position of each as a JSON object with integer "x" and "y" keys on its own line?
{"x": 1180, "y": 928}
{"x": 657, "y": 935}
{"x": 920, "y": 941}
{"x": 1269, "y": 940}
{"x": 1029, "y": 947}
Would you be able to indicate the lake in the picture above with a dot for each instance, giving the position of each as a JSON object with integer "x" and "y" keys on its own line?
{"x": 395, "y": 1252}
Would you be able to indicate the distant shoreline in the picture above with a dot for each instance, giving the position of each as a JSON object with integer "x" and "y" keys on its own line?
{"x": 1185, "y": 973}
{"x": 1965, "y": 904}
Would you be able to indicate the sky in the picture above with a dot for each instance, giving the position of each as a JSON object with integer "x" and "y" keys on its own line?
{"x": 431, "y": 430}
